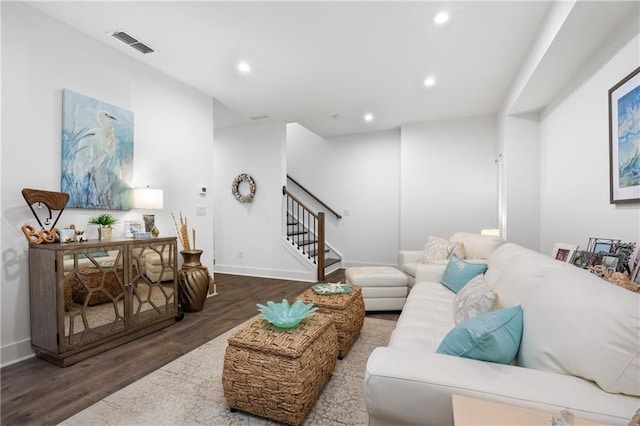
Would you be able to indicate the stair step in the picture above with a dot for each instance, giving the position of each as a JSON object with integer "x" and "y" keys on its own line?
{"x": 290, "y": 233}
{"x": 314, "y": 252}
{"x": 306, "y": 242}
{"x": 330, "y": 261}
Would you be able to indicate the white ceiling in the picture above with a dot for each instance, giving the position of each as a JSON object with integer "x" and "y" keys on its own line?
{"x": 315, "y": 60}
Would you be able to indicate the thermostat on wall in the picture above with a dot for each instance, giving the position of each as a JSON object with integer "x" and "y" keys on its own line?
{"x": 203, "y": 190}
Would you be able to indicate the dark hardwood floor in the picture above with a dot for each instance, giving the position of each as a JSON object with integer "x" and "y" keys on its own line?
{"x": 35, "y": 392}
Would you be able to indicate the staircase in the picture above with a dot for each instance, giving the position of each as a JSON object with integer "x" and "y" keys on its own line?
{"x": 305, "y": 231}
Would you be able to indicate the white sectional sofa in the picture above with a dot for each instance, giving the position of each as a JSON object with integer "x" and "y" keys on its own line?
{"x": 579, "y": 350}
{"x": 471, "y": 247}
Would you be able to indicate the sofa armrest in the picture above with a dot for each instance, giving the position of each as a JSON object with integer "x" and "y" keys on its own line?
{"x": 431, "y": 272}
{"x": 409, "y": 256}
{"x": 415, "y": 388}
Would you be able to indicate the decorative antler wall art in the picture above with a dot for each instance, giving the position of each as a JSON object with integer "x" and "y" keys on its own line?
{"x": 53, "y": 201}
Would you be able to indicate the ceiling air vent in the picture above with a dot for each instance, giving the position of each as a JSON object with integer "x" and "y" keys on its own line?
{"x": 259, "y": 117}
{"x": 132, "y": 41}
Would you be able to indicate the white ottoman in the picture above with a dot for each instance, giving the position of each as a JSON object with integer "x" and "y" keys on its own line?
{"x": 384, "y": 288}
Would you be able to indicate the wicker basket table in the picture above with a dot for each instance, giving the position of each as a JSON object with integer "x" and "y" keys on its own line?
{"x": 346, "y": 311}
{"x": 279, "y": 373}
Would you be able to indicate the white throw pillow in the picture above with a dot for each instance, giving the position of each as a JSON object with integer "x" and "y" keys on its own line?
{"x": 437, "y": 248}
{"x": 474, "y": 299}
{"x": 478, "y": 246}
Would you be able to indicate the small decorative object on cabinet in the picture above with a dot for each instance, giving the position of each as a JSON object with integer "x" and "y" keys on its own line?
{"x": 53, "y": 201}
{"x": 89, "y": 297}
{"x": 106, "y": 222}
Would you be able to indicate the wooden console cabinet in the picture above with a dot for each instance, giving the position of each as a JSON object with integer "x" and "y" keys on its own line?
{"x": 89, "y": 297}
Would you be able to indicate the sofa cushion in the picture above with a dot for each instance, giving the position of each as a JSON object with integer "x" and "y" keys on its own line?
{"x": 574, "y": 322}
{"x": 493, "y": 336}
{"x": 458, "y": 272}
{"x": 474, "y": 299}
{"x": 427, "y": 316}
{"x": 437, "y": 248}
{"x": 595, "y": 336}
{"x": 477, "y": 246}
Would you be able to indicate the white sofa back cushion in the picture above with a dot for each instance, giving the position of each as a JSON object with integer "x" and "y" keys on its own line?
{"x": 514, "y": 271}
{"x": 477, "y": 246}
{"x": 596, "y": 336}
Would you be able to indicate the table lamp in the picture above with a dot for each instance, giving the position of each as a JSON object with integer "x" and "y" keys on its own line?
{"x": 148, "y": 199}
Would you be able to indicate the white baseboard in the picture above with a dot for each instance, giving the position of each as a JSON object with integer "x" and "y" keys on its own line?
{"x": 351, "y": 264}
{"x": 16, "y": 352}
{"x": 264, "y": 273}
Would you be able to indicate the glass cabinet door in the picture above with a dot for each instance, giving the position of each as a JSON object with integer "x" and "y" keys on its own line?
{"x": 94, "y": 293}
{"x": 153, "y": 271}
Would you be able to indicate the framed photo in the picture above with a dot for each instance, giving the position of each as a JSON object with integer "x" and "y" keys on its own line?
{"x": 625, "y": 253}
{"x": 635, "y": 273}
{"x": 610, "y": 261}
{"x": 583, "y": 259}
{"x": 67, "y": 235}
{"x": 624, "y": 139}
{"x": 564, "y": 252}
{"x": 132, "y": 227}
{"x": 601, "y": 245}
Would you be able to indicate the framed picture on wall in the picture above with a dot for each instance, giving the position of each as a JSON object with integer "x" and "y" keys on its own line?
{"x": 624, "y": 139}
{"x": 97, "y": 153}
{"x": 564, "y": 252}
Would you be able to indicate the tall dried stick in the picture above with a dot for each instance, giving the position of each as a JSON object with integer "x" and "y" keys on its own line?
{"x": 177, "y": 230}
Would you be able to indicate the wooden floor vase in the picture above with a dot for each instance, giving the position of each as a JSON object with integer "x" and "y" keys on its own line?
{"x": 193, "y": 280}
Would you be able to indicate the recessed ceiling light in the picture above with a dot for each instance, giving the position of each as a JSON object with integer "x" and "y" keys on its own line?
{"x": 244, "y": 67}
{"x": 441, "y": 18}
{"x": 368, "y": 117}
{"x": 429, "y": 81}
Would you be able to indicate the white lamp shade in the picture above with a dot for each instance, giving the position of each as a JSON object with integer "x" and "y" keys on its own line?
{"x": 147, "y": 198}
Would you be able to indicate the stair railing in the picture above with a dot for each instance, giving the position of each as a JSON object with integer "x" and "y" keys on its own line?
{"x": 322, "y": 203}
{"x": 305, "y": 221}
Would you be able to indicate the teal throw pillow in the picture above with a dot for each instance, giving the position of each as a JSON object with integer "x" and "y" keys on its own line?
{"x": 459, "y": 272}
{"x": 494, "y": 337}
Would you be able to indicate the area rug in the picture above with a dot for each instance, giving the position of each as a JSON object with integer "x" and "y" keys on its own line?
{"x": 188, "y": 391}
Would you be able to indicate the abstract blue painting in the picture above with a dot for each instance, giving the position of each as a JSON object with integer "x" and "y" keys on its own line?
{"x": 97, "y": 153}
{"x": 629, "y": 139}
{"x": 624, "y": 139}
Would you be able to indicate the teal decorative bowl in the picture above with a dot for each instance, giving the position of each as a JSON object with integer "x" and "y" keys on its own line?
{"x": 283, "y": 315}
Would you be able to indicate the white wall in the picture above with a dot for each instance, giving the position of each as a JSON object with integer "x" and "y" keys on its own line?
{"x": 575, "y": 163}
{"x": 448, "y": 179}
{"x": 248, "y": 235}
{"x": 173, "y": 142}
{"x": 520, "y": 178}
{"x": 357, "y": 175}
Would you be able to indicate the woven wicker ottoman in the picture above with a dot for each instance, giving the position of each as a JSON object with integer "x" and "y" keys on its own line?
{"x": 346, "y": 311}
{"x": 278, "y": 373}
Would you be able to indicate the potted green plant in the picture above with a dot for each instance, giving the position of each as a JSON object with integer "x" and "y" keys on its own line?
{"x": 105, "y": 221}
